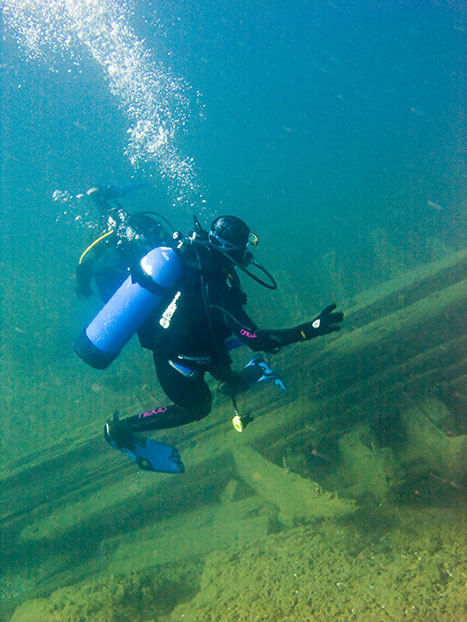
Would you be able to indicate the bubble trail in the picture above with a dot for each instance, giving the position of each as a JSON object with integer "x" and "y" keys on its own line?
{"x": 156, "y": 103}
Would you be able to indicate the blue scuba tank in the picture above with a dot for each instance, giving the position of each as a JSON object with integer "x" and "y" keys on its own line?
{"x": 155, "y": 278}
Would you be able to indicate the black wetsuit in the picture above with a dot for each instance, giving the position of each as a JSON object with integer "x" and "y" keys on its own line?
{"x": 187, "y": 334}
{"x": 206, "y": 309}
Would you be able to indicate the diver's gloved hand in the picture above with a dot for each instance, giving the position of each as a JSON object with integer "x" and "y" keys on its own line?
{"x": 272, "y": 340}
{"x": 323, "y": 324}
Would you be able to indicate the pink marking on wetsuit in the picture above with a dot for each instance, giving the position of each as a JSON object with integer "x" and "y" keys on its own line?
{"x": 245, "y": 333}
{"x": 156, "y": 411}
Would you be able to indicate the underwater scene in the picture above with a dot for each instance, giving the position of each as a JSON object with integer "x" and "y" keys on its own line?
{"x": 233, "y": 343}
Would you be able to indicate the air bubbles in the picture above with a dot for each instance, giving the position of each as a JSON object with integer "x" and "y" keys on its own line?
{"x": 63, "y": 196}
{"x": 74, "y": 208}
{"x": 156, "y": 103}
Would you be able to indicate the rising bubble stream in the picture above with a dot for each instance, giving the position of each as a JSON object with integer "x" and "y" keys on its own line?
{"x": 156, "y": 103}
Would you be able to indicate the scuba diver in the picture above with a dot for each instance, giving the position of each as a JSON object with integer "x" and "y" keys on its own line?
{"x": 190, "y": 300}
{"x": 123, "y": 239}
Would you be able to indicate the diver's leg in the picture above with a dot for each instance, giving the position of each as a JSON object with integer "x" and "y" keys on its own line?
{"x": 192, "y": 399}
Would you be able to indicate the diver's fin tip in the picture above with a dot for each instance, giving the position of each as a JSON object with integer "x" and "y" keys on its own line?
{"x": 149, "y": 455}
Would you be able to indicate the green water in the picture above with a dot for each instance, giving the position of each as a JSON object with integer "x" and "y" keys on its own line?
{"x": 336, "y": 130}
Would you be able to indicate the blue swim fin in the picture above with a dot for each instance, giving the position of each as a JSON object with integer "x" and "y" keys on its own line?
{"x": 149, "y": 455}
{"x": 265, "y": 372}
{"x": 154, "y": 456}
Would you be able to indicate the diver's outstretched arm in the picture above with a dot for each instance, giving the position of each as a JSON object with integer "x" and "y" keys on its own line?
{"x": 323, "y": 324}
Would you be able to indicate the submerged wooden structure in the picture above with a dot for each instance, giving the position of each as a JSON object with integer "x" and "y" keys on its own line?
{"x": 368, "y": 410}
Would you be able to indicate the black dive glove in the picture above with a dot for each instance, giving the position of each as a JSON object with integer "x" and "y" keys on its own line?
{"x": 323, "y": 324}
{"x": 271, "y": 340}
